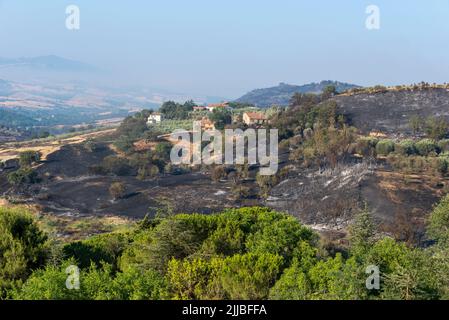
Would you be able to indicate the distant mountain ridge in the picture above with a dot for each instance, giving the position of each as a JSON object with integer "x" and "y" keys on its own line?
{"x": 50, "y": 63}
{"x": 281, "y": 94}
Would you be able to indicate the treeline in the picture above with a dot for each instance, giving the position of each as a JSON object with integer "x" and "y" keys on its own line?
{"x": 248, "y": 253}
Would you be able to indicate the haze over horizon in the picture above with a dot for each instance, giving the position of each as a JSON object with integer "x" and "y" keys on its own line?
{"x": 229, "y": 48}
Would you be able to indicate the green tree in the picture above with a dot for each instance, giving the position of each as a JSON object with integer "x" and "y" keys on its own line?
{"x": 438, "y": 227}
{"x": 249, "y": 276}
{"x": 194, "y": 280}
{"x": 362, "y": 232}
{"x": 22, "y": 247}
{"x": 416, "y": 123}
{"x": 329, "y": 92}
{"x": 28, "y": 158}
{"x": 163, "y": 150}
{"x": 436, "y": 127}
{"x": 221, "y": 118}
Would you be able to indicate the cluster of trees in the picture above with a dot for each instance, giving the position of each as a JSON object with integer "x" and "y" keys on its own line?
{"x": 248, "y": 253}
{"x": 407, "y": 147}
{"x": 132, "y": 129}
{"x": 131, "y": 162}
{"x": 176, "y": 111}
{"x": 141, "y": 164}
{"x": 434, "y": 127}
{"x": 316, "y": 133}
{"x": 425, "y": 155}
{"x": 221, "y": 117}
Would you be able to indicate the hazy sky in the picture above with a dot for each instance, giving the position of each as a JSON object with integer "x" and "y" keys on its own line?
{"x": 227, "y": 47}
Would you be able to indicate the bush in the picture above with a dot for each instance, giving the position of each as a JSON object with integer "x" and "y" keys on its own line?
{"x": 117, "y": 190}
{"x": 385, "y": 147}
{"x": 438, "y": 228}
{"x": 436, "y": 127}
{"x": 22, "y": 247}
{"x": 27, "y": 158}
{"x": 249, "y": 276}
{"x": 125, "y": 144}
{"x": 104, "y": 248}
{"x": 218, "y": 173}
{"x": 426, "y": 146}
{"x": 366, "y": 146}
{"x": 443, "y": 145}
{"x": 163, "y": 150}
{"x": 406, "y": 147}
{"x": 442, "y": 166}
{"x": 91, "y": 146}
{"x": 148, "y": 171}
{"x": 116, "y": 165}
{"x": 96, "y": 283}
{"x": 241, "y": 192}
{"x": 23, "y": 176}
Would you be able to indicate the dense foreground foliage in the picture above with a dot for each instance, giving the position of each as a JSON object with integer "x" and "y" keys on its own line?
{"x": 249, "y": 253}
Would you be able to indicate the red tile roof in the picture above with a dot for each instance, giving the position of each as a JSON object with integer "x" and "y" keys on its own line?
{"x": 256, "y": 116}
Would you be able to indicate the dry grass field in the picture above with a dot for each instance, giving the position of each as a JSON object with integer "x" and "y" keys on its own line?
{"x": 47, "y": 146}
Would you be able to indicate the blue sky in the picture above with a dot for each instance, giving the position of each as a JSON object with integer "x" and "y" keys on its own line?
{"x": 226, "y": 48}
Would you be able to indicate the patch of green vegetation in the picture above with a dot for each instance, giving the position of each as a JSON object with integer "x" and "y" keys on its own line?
{"x": 24, "y": 175}
{"x": 248, "y": 253}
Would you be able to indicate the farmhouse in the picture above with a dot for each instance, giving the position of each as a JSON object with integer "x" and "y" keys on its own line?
{"x": 154, "y": 118}
{"x": 254, "y": 118}
{"x": 212, "y": 107}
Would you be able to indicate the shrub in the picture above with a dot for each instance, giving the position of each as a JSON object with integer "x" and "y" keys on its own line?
{"x": 22, "y": 176}
{"x": 439, "y": 221}
{"x": 426, "y": 146}
{"x": 443, "y": 145}
{"x": 163, "y": 150}
{"x": 442, "y": 166}
{"x": 406, "y": 147}
{"x": 366, "y": 146}
{"x": 218, "y": 173}
{"x": 436, "y": 127}
{"x": 27, "y": 158}
{"x": 116, "y": 165}
{"x": 91, "y": 146}
{"x": 249, "y": 276}
{"x": 241, "y": 192}
{"x": 385, "y": 147}
{"x": 103, "y": 248}
{"x": 117, "y": 190}
{"x": 125, "y": 144}
{"x": 266, "y": 183}
{"x": 22, "y": 247}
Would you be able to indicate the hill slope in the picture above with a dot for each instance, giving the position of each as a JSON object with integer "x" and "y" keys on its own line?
{"x": 281, "y": 94}
{"x": 390, "y": 111}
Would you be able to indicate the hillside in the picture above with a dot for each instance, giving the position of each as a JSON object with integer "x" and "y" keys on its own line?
{"x": 5, "y": 88}
{"x": 281, "y": 94}
{"x": 390, "y": 110}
